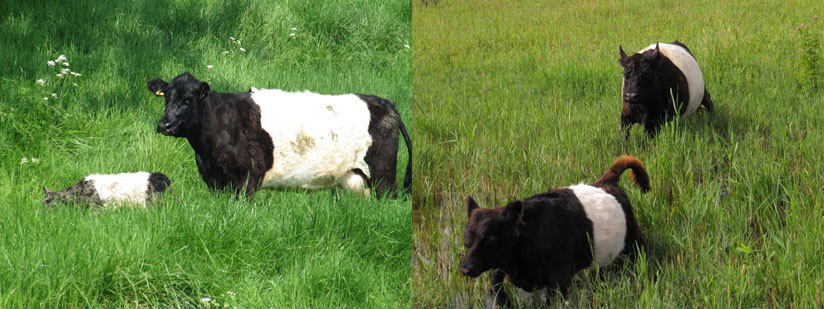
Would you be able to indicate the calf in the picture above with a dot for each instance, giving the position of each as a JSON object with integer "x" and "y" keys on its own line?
{"x": 137, "y": 188}
{"x": 657, "y": 80}
{"x": 273, "y": 138}
{"x": 543, "y": 240}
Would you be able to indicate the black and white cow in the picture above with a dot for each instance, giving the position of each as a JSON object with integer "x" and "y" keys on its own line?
{"x": 543, "y": 240}
{"x": 274, "y": 138}
{"x": 655, "y": 76}
{"x": 113, "y": 189}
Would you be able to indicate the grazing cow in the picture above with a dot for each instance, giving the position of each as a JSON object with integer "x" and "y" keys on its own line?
{"x": 543, "y": 240}
{"x": 273, "y": 138}
{"x": 137, "y": 188}
{"x": 655, "y": 76}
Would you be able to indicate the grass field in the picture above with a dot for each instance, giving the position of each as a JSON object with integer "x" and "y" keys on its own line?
{"x": 513, "y": 98}
{"x": 293, "y": 249}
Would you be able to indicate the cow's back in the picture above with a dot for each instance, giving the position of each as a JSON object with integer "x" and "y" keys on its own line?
{"x": 683, "y": 59}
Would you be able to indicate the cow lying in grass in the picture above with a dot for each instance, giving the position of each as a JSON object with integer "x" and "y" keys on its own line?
{"x": 543, "y": 240}
{"x": 657, "y": 80}
{"x": 273, "y": 138}
{"x": 136, "y": 188}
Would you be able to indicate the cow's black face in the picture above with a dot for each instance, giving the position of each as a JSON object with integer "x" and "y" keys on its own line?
{"x": 489, "y": 235}
{"x": 183, "y": 98}
{"x": 639, "y": 72}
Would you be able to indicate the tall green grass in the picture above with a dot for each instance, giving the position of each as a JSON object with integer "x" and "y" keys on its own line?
{"x": 513, "y": 98}
{"x": 297, "y": 249}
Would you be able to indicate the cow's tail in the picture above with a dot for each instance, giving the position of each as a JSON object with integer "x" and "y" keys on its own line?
{"x": 407, "y": 178}
{"x": 637, "y": 172}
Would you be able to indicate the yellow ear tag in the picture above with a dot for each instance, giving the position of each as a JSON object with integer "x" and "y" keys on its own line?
{"x": 159, "y": 93}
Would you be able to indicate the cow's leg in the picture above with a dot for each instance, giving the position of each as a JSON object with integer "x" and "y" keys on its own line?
{"x": 707, "y": 101}
{"x": 501, "y": 299}
{"x": 561, "y": 286}
{"x": 355, "y": 181}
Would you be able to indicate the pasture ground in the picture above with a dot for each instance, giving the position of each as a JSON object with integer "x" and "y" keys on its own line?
{"x": 513, "y": 98}
{"x": 313, "y": 249}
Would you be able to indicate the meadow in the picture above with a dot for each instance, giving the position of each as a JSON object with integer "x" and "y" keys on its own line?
{"x": 279, "y": 249}
{"x": 512, "y": 98}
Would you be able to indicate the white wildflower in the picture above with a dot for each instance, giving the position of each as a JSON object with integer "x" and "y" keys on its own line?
{"x": 54, "y": 95}
{"x": 50, "y": 63}
{"x": 205, "y": 299}
{"x": 66, "y": 63}
{"x": 35, "y": 160}
{"x": 45, "y": 98}
{"x": 292, "y": 34}
{"x": 74, "y": 84}
{"x": 209, "y": 67}
{"x": 225, "y": 52}
{"x": 230, "y": 293}
{"x": 243, "y": 50}
{"x": 237, "y": 42}
{"x": 62, "y": 58}
{"x": 60, "y": 75}
{"x": 232, "y": 38}
{"x": 406, "y": 46}
{"x": 24, "y": 160}
{"x": 65, "y": 70}
{"x": 76, "y": 74}
{"x": 40, "y": 82}
{"x": 294, "y": 29}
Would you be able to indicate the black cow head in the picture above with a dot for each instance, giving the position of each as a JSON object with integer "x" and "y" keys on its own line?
{"x": 639, "y": 70}
{"x": 489, "y": 236}
{"x": 639, "y": 78}
{"x": 184, "y": 96}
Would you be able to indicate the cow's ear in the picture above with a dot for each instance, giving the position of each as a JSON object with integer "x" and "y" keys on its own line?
{"x": 470, "y": 205}
{"x": 157, "y": 86}
{"x": 656, "y": 53}
{"x": 622, "y": 55}
{"x": 204, "y": 89}
{"x": 514, "y": 212}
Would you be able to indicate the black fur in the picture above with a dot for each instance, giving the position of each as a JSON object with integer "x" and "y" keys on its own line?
{"x": 382, "y": 155}
{"x": 158, "y": 182}
{"x": 82, "y": 193}
{"x": 651, "y": 82}
{"x": 543, "y": 240}
{"x": 544, "y": 248}
{"x": 231, "y": 148}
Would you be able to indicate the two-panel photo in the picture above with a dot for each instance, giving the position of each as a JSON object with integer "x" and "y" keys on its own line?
{"x": 411, "y": 154}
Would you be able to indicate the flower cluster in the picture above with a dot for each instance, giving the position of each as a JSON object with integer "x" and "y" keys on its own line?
{"x": 235, "y": 41}
{"x": 810, "y": 70}
{"x": 26, "y": 160}
{"x": 803, "y": 26}
{"x": 62, "y": 60}
{"x": 62, "y": 63}
{"x": 293, "y": 32}
{"x": 227, "y": 299}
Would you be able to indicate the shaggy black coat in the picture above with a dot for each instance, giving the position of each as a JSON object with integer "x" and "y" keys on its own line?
{"x": 653, "y": 88}
{"x": 543, "y": 240}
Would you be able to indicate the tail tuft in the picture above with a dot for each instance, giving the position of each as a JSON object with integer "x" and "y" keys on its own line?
{"x": 638, "y": 172}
